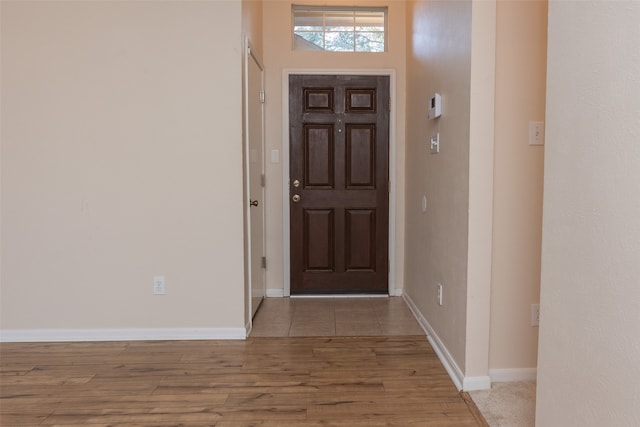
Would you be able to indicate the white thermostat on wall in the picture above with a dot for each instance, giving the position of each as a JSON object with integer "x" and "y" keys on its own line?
{"x": 435, "y": 106}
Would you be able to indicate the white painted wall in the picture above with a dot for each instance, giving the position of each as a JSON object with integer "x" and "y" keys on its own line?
{"x": 521, "y": 52}
{"x": 588, "y": 370}
{"x": 121, "y": 160}
{"x": 279, "y": 55}
{"x": 252, "y": 22}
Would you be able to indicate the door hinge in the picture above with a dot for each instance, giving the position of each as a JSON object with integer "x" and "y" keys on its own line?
{"x": 263, "y": 262}
{"x": 262, "y": 96}
{"x": 263, "y": 180}
{"x": 389, "y": 104}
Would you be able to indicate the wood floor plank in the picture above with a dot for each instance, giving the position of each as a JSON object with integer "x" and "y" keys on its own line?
{"x": 266, "y": 382}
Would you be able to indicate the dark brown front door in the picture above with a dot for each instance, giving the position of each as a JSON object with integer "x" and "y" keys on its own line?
{"x": 339, "y": 183}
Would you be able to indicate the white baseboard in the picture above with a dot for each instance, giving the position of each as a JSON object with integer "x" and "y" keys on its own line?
{"x": 476, "y": 383}
{"x": 461, "y": 382}
{"x": 396, "y": 293}
{"x": 275, "y": 293}
{"x": 334, "y": 296}
{"x": 52, "y": 335}
{"x": 513, "y": 374}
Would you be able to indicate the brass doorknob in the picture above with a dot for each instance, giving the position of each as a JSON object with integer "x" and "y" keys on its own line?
{"x": 295, "y": 198}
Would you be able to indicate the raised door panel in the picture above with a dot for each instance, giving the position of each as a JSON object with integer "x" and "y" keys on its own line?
{"x": 319, "y": 156}
{"x": 360, "y": 239}
{"x": 319, "y": 240}
{"x": 361, "y": 156}
{"x": 360, "y": 100}
{"x": 318, "y": 100}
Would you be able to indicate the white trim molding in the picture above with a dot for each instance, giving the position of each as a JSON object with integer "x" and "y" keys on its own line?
{"x": 513, "y": 374}
{"x": 393, "y": 128}
{"x": 66, "y": 335}
{"x": 476, "y": 383}
{"x": 461, "y": 382}
{"x": 334, "y": 296}
{"x": 275, "y": 293}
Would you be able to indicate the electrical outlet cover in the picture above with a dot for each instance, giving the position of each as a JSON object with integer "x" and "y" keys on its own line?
{"x": 159, "y": 285}
{"x": 535, "y": 314}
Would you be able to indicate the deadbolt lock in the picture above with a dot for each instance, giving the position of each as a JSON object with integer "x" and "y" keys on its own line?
{"x": 296, "y": 183}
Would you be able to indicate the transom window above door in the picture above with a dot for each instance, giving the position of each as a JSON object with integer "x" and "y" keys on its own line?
{"x": 339, "y": 29}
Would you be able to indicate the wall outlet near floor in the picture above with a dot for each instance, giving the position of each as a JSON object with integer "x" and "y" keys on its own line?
{"x": 535, "y": 314}
{"x": 159, "y": 285}
{"x": 439, "y": 293}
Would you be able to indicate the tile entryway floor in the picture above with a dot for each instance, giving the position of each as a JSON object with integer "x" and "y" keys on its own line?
{"x": 308, "y": 317}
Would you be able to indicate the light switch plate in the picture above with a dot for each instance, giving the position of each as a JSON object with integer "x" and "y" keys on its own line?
{"x": 536, "y": 133}
{"x": 275, "y": 156}
{"x": 159, "y": 285}
{"x": 435, "y": 143}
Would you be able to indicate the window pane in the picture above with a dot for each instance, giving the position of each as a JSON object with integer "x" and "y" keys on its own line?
{"x": 298, "y": 29}
{"x": 339, "y": 42}
{"x": 370, "y": 42}
{"x": 339, "y": 29}
{"x": 369, "y": 29}
{"x": 309, "y": 41}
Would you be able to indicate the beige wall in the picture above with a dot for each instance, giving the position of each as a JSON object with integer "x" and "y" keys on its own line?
{"x": 438, "y": 60}
{"x": 521, "y": 51}
{"x": 252, "y": 22}
{"x": 588, "y": 366}
{"x": 485, "y": 251}
{"x": 278, "y": 55}
{"x": 121, "y": 160}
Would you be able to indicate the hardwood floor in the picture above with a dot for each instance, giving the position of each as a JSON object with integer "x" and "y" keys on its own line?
{"x": 289, "y": 381}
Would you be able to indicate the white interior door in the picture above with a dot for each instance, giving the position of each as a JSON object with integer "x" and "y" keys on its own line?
{"x": 255, "y": 138}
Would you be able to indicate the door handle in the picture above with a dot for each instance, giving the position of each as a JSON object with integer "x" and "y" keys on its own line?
{"x": 295, "y": 198}
{"x": 253, "y": 202}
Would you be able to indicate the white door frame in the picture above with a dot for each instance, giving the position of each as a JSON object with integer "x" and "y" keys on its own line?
{"x": 286, "y": 244}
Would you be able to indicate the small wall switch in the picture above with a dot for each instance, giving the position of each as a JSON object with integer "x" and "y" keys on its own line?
{"x": 159, "y": 285}
{"x": 275, "y": 156}
{"x": 424, "y": 204}
{"x": 435, "y": 143}
{"x": 535, "y": 314}
{"x": 439, "y": 293}
{"x": 536, "y": 133}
